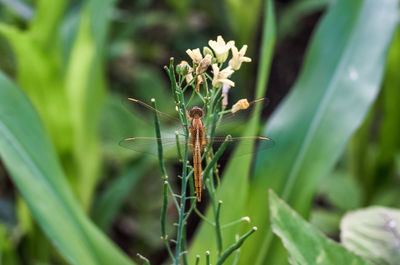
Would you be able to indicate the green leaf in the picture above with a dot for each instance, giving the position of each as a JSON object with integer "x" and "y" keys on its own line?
{"x": 110, "y": 201}
{"x": 235, "y": 184}
{"x": 326, "y": 220}
{"x": 305, "y": 244}
{"x": 32, "y": 162}
{"x": 290, "y": 18}
{"x": 339, "y": 81}
{"x": 8, "y": 253}
{"x": 342, "y": 191}
{"x": 44, "y": 25}
{"x": 373, "y": 233}
{"x": 389, "y": 140}
{"x": 85, "y": 91}
{"x": 243, "y": 18}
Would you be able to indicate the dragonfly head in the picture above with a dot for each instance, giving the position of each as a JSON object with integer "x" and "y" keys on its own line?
{"x": 196, "y": 112}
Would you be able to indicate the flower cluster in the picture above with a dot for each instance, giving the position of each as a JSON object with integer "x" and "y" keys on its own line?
{"x": 216, "y": 57}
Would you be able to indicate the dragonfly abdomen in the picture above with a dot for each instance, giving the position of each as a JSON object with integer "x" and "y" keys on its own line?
{"x": 197, "y": 138}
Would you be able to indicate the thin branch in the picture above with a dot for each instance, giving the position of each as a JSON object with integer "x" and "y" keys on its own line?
{"x": 235, "y": 246}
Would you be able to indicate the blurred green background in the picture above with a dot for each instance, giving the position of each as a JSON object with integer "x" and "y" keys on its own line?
{"x": 336, "y": 149}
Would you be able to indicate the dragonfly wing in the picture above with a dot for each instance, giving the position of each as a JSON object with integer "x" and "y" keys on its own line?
{"x": 250, "y": 145}
{"x": 149, "y": 146}
{"x": 236, "y": 123}
{"x": 136, "y": 106}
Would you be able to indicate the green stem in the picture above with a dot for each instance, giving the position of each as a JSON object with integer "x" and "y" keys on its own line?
{"x": 184, "y": 248}
{"x": 171, "y": 74}
{"x": 181, "y": 224}
{"x": 144, "y": 259}
{"x": 235, "y": 246}
{"x": 207, "y": 257}
{"x": 182, "y": 203}
{"x": 190, "y": 83}
{"x": 191, "y": 97}
{"x": 164, "y": 235}
{"x": 243, "y": 219}
{"x": 197, "y": 260}
{"x": 164, "y": 211}
{"x": 173, "y": 196}
{"x": 159, "y": 143}
{"x": 202, "y": 216}
{"x": 216, "y": 156}
{"x": 218, "y": 228}
{"x": 178, "y": 147}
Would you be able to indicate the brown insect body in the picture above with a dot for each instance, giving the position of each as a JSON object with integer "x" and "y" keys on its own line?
{"x": 197, "y": 140}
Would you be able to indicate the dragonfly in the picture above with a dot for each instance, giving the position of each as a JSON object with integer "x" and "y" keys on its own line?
{"x": 199, "y": 141}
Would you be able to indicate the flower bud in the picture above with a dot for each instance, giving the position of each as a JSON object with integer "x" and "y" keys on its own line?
{"x": 204, "y": 64}
{"x": 207, "y": 50}
{"x": 240, "y": 105}
{"x": 225, "y": 90}
{"x": 183, "y": 68}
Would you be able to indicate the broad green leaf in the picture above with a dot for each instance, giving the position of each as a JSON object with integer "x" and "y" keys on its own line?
{"x": 234, "y": 187}
{"x": 45, "y": 23}
{"x": 389, "y": 135}
{"x": 389, "y": 197}
{"x": 243, "y": 17}
{"x": 305, "y": 244}
{"x": 85, "y": 91}
{"x": 20, "y": 8}
{"x": 290, "y": 17}
{"x": 30, "y": 158}
{"x": 342, "y": 191}
{"x": 338, "y": 83}
{"x": 373, "y": 233}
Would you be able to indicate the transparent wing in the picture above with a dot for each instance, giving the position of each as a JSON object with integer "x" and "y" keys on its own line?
{"x": 172, "y": 148}
{"x": 132, "y": 104}
{"x": 232, "y": 124}
{"x": 149, "y": 145}
{"x": 235, "y": 123}
{"x": 259, "y": 143}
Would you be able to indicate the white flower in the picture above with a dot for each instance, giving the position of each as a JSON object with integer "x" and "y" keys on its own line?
{"x": 238, "y": 57}
{"x": 189, "y": 77}
{"x": 221, "y": 77}
{"x": 195, "y": 55}
{"x": 204, "y": 64}
{"x": 221, "y": 49}
{"x": 241, "y": 104}
{"x": 225, "y": 90}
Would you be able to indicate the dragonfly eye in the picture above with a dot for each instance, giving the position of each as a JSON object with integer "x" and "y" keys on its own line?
{"x": 196, "y": 111}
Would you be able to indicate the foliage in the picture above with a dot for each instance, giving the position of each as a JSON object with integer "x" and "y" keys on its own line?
{"x": 67, "y": 65}
{"x": 306, "y": 246}
{"x": 372, "y": 233}
{"x": 33, "y": 164}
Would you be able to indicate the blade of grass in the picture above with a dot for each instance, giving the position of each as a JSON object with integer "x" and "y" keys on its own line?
{"x": 389, "y": 135}
{"x": 45, "y": 24}
{"x": 85, "y": 89}
{"x": 338, "y": 83}
{"x": 32, "y": 162}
